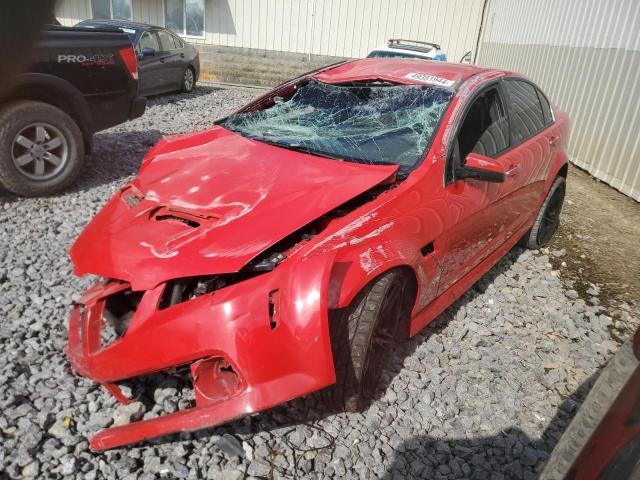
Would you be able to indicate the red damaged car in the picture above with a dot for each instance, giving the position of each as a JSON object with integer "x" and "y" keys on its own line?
{"x": 283, "y": 250}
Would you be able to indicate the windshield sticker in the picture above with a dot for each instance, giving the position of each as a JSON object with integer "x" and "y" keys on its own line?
{"x": 430, "y": 79}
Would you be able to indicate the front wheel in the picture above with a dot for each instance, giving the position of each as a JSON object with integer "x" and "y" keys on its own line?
{"x": 188, "y": 80}
{"x": 362, "y": 335}
{"x": 548, "y": 218}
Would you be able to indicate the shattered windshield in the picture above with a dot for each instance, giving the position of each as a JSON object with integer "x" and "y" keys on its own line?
{"x": 371, "y": 123}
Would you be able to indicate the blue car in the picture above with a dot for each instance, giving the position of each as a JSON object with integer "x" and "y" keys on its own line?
{"x": 166, "y": 63}
{"x": 398, "y": 48}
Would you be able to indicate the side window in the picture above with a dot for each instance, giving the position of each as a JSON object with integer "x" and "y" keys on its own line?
{"x": 526, "y": 111}
{"x": 148, "y": 40}
{"x": 484, "y": 129}
{"x": 166, "y": 40}
{"x": 178, "y": 41}
{"x": 546, "y": 108}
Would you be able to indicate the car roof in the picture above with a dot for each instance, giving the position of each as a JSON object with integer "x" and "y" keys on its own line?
{"x": 121, "y": 23}
{"x": 407, "y": 52}
{"x": 410, "y": 47}
{"x": 408, "y": 71}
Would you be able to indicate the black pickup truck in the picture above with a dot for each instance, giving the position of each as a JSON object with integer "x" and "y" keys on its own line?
{"x": 79, "y": 81}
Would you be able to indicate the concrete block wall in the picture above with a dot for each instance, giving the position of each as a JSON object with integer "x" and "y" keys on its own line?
{"x": 249, "y": 66}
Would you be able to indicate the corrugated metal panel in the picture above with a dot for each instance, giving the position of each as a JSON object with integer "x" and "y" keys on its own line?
{"x": 586, "y": 56}
{"x": 148, "y": 12}
{"x": 344, "y": 28}
{"x": 70, "y": 12}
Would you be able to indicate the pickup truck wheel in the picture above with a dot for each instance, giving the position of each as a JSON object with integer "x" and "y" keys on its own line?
{"x": 548, "y": 218}
{"x": 41, "y": 149}
{"x": 362, "y": 335}
{"x": 188, "y": 80}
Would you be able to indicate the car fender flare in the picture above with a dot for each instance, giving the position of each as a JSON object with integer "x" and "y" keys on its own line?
{"x": 354, "y": 268}
{"x": 558, "y": 167}
{"x": 57, "y": 92}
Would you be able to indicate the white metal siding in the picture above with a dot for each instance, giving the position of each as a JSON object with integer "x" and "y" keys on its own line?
{"x": 146, "y": 11}
{"x": 585, "y": 54}
{"x": 70, "y": 12}
{"x": 344, "y": 28}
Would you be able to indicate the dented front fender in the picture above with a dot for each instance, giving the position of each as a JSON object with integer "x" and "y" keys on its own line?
{"x": 372, "y": 245}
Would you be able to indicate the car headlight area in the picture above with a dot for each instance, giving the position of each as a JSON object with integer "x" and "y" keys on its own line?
{"x": 245, "y": 347}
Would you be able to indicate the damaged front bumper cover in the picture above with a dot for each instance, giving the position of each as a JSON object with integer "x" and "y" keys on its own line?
{"x": 250, "y": 346}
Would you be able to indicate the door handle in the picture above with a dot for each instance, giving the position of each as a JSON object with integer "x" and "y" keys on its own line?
{"x": 553, "y": 140}
{"x": 513, "y": 170}
{"x": 162, "y": 60}
{"x": 182, "y": 55}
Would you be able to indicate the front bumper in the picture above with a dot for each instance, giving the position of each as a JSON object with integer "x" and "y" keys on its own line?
{"x": 273, "y": 359}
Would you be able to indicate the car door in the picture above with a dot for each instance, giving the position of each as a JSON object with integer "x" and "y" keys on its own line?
{"x": 533, "y": 139}
{"x": 481, "y": 214}
{"x": 150, "y": 65}
{"x": 173, "y": 61}
{"x": 187, "y": 53}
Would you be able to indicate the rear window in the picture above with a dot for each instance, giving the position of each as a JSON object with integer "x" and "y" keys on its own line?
{"x": 546, "y": 108}
{"x": 179, "y": 43}
{"x": 166, "y": 40}
{"x": 526, "y": 111}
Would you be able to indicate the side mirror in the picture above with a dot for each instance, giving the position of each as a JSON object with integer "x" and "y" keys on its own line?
{"x": 148, "y": 52}
{"x": 479, "y": 167}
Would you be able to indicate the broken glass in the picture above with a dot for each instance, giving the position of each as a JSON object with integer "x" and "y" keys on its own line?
{"x": 369, "y": 123}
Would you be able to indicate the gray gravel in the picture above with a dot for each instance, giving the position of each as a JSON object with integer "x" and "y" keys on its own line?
{"x": 485, "y": 392}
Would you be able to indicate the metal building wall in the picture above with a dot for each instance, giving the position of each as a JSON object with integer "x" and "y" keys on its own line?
{"x": 70, "y": 12}
{"x": 342, "y": 28}
{"x": 585, "y": 54}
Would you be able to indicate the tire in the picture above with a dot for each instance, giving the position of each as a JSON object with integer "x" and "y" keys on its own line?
{"x": 362, "y": 335}
{"x": 188, "y": 80}
{"x": 600, "y": 399}
{"x": 548, "y": 218}
{"x": 31, "y": 164}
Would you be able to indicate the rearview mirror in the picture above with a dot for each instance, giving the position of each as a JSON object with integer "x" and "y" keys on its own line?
{"x": 148, "y": 52}
{"x": 479, "y": 167}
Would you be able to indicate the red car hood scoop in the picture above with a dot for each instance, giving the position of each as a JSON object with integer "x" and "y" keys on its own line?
{"x": 210, "y": 202}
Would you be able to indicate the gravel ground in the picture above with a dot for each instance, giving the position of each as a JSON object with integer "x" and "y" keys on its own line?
{"x": 484, "y": 392}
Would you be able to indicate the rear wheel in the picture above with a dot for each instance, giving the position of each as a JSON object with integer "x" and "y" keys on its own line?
{"x": 548, "y": 218}
{"x": 41, "y": 149}
{"x": 362, "y": 335}
{"x": 188, "y": 80}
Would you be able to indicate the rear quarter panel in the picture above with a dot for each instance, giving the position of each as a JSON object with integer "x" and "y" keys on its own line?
{"x": 559, "y": 156}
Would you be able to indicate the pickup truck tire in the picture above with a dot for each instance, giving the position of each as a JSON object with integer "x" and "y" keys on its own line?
{"x": 548, "y": 218}
{"x": 41, "y": 148}
{"x": 362, "y": 335}
{"x": 188, "y": 80}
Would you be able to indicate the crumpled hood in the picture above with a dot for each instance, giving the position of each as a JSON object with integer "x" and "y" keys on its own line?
{"x": 210, "y": 202}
